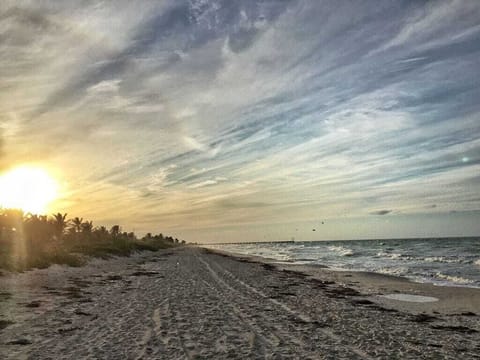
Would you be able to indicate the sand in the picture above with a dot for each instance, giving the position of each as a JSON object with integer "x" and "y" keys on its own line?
{"x": 190, "y": 303}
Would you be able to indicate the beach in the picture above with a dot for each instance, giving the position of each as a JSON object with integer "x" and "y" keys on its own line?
{"x": 193, "y": 303}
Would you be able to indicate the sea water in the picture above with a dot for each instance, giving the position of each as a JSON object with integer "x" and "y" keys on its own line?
{"x": 444, "y": 261}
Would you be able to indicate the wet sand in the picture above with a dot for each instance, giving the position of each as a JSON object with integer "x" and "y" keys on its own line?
{"x": 449, "y": 300}
{"x": 191, "y": 303}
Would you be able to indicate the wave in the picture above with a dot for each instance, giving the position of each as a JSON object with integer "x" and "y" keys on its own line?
{"x": 441, "y": 259}
{"x": 397, "y": 271}
{"x": 296, "y": 247}
{"x": 395, "y": 256}
{"x": 388, "y": 255}
{"x": 429, "y": 259}
{"x": 418, "y": 261}
{"x": 453, "y": 279}
{"x": 342, "y": 251}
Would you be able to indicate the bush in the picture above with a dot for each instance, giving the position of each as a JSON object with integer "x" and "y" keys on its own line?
{"x": 33, "y": 241}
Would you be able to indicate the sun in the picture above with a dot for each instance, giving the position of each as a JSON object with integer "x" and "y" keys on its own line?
{"x": 28, "y": 188}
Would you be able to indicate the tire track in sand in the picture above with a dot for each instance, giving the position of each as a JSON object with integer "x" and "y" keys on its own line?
{"x": 264, "y": 337}
{"x": 302, "y": 317}
{"x": 155, "y": 329}
{"x": 259, "y": 341}
{"x": 278, "y": 336}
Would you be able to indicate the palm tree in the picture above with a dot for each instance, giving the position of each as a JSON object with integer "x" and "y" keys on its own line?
{"x": 77, "y": 224}
{"x": 115, "y": 231}
{"x": 38, "y": 230}
{"x": 59, "y": 223}
{"x": 87, "y": 227}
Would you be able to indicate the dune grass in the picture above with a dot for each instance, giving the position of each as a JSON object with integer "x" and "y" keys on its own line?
{"x": 73, "y": 255}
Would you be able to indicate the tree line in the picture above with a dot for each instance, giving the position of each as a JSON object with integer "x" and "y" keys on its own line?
{"x": 30, "y": 240}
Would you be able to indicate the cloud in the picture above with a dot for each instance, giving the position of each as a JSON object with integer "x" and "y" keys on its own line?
{"x": 449, "y": 19}
{"x": 209, "y": 182}
{"x": 246, "y": 111}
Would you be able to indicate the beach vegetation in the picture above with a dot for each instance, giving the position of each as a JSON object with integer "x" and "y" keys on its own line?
{"x": 36, "y": 241}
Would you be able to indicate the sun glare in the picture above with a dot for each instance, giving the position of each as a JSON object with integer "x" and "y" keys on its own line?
{"x": 30, "y": 189}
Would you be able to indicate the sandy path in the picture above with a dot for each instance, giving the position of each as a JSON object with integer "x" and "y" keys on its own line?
{"x": 190, "y": 304}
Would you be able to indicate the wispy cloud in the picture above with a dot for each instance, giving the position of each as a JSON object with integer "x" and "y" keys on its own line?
{"x": 205, "y": 114}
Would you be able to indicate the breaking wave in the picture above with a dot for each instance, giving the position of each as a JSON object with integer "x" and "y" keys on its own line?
{"x": 441, "y": 259}
{"x": 342, "y": 251}
{"x": 453, "y": 279}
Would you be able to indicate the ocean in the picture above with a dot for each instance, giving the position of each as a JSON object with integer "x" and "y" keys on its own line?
{"x": 443, "y": 261}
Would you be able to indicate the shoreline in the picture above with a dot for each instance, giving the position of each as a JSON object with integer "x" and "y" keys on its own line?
{"x": 451, "y": 299}
{"x": 454, "y": 263}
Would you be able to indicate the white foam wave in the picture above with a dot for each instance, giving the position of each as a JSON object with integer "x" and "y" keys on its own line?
{"x": 441, "y": 259}
{"x": 389, "y": 255}
{"x": 477, "y": 262}
{"x": 394, "y": 256}
{"x": 453, "y": 279}
{"x": 397, "y": 271}
{"x": 431, "y": 259}
{"x": 342, "y": 251}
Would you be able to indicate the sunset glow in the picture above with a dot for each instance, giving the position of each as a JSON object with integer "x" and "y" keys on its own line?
{"x": 30, "y": 189}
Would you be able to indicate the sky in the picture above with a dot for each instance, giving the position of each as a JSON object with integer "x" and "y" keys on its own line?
{"x": 220, "y": 121}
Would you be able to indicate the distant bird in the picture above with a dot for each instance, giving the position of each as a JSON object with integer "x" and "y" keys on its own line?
{"x": 323, "y": 223}
{"x": 314, "y": 230}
